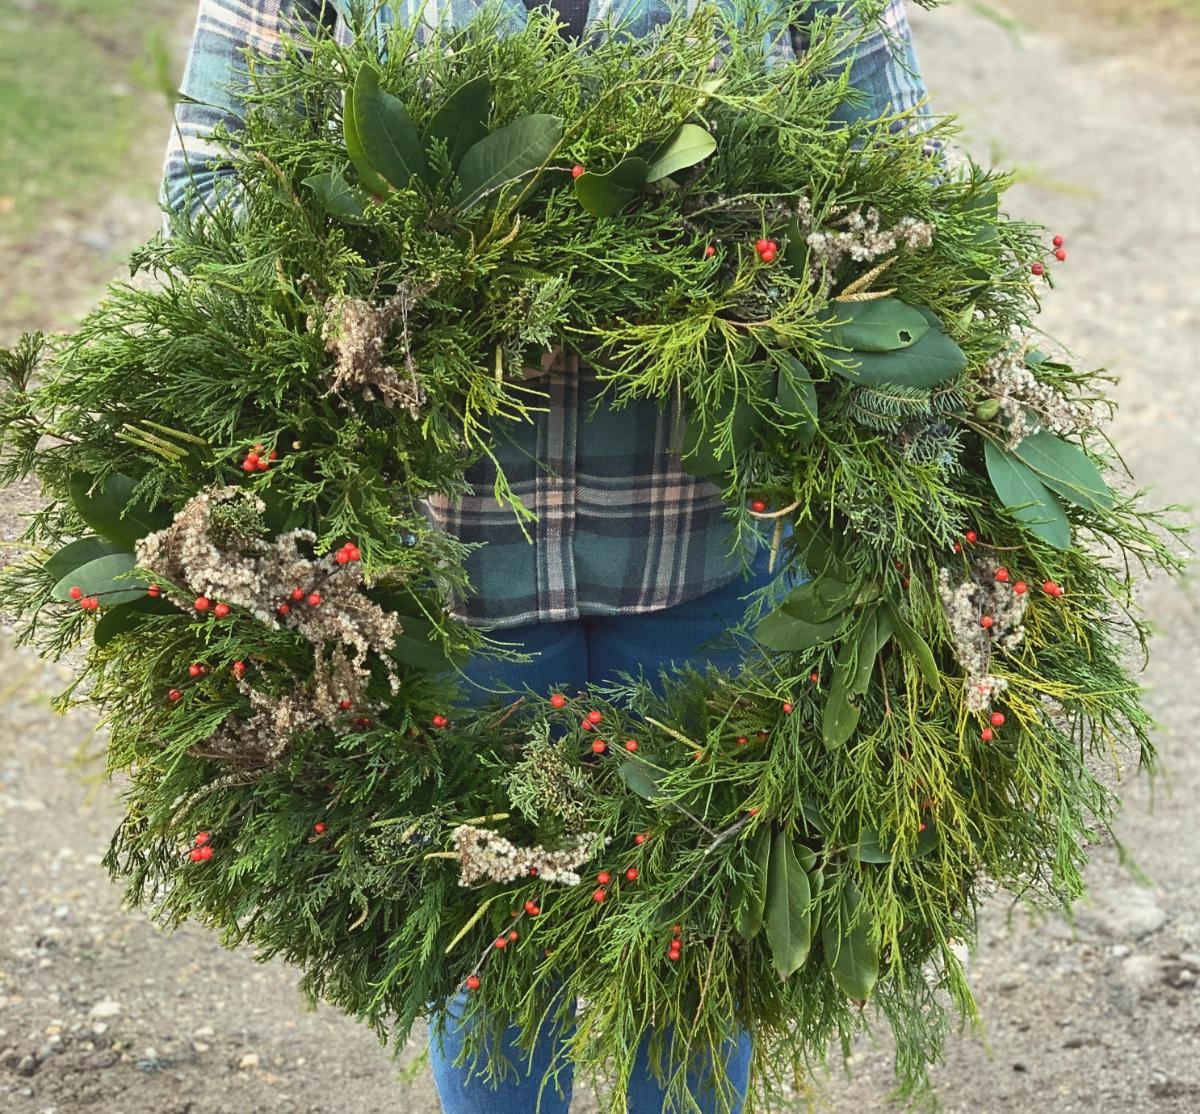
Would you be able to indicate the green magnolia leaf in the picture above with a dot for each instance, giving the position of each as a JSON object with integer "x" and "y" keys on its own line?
{"x": 461, "y": 121}
{"x": 781, "y": 631}
{"x": 368, "y": 175}
{"x": 602, "y": 195}
{"x": 688, "y": 146}
{"x": 1026, "y": 496}
{"x": 882, "y": 325}
{"x": 751, "y": 896}
{"x": 819, "y": 600}
{"x": 915, "y": 646}
{"x": 336, "y": 196}
{"x": 106, "y": 578}
{"x": 874, "y": 633}
{"x": 931, "y": 361}
{"x": 641, "y": 777}
{"x": 698, "y": 454}
{"x": 796, "y": 395}
{"x": 507, "y": 154}
{"x": 812, "y": 814}
{"x": 840, "y": 716}
{"x": 126, "y": 617}
{"x": 416, "y": 646}
{"x": 80, "y": 552}
{"x": 388, "y": 136}
{"x": 111, "y": 510}
{"x": 1066, "y": 470}
{"x": 869, "y": 848}
{"x": 788, "y": 914}
{"x": 850, "y": 954}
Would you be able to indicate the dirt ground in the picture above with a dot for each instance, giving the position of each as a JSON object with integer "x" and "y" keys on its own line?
{"x": 102, "y": 1012}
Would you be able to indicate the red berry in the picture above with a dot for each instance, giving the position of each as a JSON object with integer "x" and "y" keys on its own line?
{"x": 532, "y": 908}
{"x": 533, "y": 872}
{"x": 921, "y": 826}
{"x": 221, "y": 610}
{"x": 342, "y": 557}
{"x": 439, "y": 721}
{"x": 787, "y": 708}
{"x": 154, "y": 590}
{"x": 761, "y": 245}
{"x": 632, "y": 874}
{"x": 283, "y": 609}
{"x": 314, "y": 599}
{"x": 758, "y": 506}
{"x": 594, "y": 717}
{"x": 958, "y": 547}
{"x": 238, "y": 669}
{"x": 249, "y": 465}
{"x": 767, "y": 256}
{"x": 355, "y": 553}
{"x": 986, "y": 734}
{"x": 576, "y": 170}
{"x": 472, "y": 982}
{"x": 195, "y": 669}
{"x": 297, "y": 594}
{"x": 174, "y": 695}
{"x": 1050, "y": 588}
{"x": 1059, "y": 241}
{"x": 318, "y": 827}
{"x": 206, "y": 853}
{"x": 599, "y": 894}
{"x": 673, "y": 955}
{"x": 631, "y": 745}
{"x": 640, "y": 838}
{"x": 557, "y": 700}
{"x": 1061, "y": 255}
{"x": 202, "y": 603}
{"x": 698, "y": 755}
{"x": 513, "y": 935}
{"x": 604, "y": 878}
{"x": 676, "y": 930}
{"x": 585, "y": 725}
{"x": 742, "y": 740}
{"x": 971, "y": 537}
{"x": 502, "y": 942}
{"x": 345, "y": 705}
{"x": 1020, "y": 587}
{"x": 710, "y": 251}
{"x": 814, "y": 676}
{"x": 599, "y": 746}
{"x": 273, "y": 455}
{"x": 202, "y": 838}
{"x": 195, "y": 855}
{"x": 1038, "y": 269}
{"x": 997, "y": 719}
{"x": 76, "y": 593}
{"x": 752, "y": 811}
{"x": 986, "y": 622}
{"x": 1002, "y": 575}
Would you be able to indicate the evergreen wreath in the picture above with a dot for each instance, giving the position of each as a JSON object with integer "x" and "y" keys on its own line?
{"x": 236, "y": 446}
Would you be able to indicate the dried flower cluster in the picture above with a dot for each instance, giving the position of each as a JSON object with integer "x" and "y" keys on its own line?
{"x": 1027, "y": 404}
{"x": 965, "y": 605}
{"x": 546, "y": 782}
{"x": 861, "y": 239}
{"x": 263, "y": 738}
{"x": 486, "y": 856}
{"x": 356, "y": 334}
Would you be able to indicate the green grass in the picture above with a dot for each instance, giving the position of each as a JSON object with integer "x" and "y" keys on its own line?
{"x": 80, "y": 81}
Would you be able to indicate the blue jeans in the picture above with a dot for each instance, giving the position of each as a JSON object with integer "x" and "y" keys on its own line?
{"x": 571, "y": 655}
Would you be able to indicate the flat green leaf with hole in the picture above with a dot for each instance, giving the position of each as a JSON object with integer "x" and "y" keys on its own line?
{"x": 507, "y": 154}
{"x": 689, "y": 145}
{"x": 105, "y": 577}
{"x": 788, "y": 913}
{"x": 387, "y": 135}
{"x": 1026, "y": 497}
{"x": 335, "y": 196}
{"x": 933, "y": 360}
{"x": 111, "y": 510}
{"x": 850, "y": 954}
{"x": 1066, "y": 470}
{"x": 461, "y": 120}
{"x": 602, "y": 195}
{"x": 880, "y": 325}
{"x": 750, "y": 895}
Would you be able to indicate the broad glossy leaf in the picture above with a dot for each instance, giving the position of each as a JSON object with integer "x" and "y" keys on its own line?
{"x": 780, "y": 631}
{"x": 461, "y": 120}
{"x": 80, "y": 552}
{"x": 641, "y": 777}
{"x": 698, "y": 455}
{"x": 840, "y": 716}
{"x": 111, "y": 510}
{"x": 850, "y": 955}
{"x": 869, "y": 848}
{"x": 127, "y": 617}
{"x": 788, "y": 915}
{"x": 751, "y": 895}
{"x": 796, "y": 395}
{"x": 915, "y": 646}
{"x": 1027, "y": 497}
{"x": 688, "y": 146}
{"x": 933, "y": 360}
{"x": 509, "y": 153}
{"x": 812, "y": 814}
{"x": 882, "y": 325}
{"x": 874, "y": 632}
{"x": 105, "y": 577}
{"x": 818, "y": 601}
{"x": 336, "y": 196}
{"x": 368, "y": 175}
{"x": 416, "y": 646}
{"x": 1065, "y": 469}
{"x": 388, "y": 136}
{"x": 602, "y": 195}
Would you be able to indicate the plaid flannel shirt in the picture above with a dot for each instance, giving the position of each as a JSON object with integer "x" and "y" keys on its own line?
{"x": 620, "y": 526}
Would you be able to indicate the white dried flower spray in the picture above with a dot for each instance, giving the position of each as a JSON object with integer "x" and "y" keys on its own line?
{"x": 486, "y": 856}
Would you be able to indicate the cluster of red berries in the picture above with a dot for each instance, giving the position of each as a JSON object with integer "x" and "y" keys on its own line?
{"x": 506, "y": 938}
{"x": 299, "y": 595}
{"x": 600, "y": 893}
{"x": 203, "y": 604}
{"x": 86, "y": 603}
{"x": 1060, "y": 253}
{"x": 767, "y": 249}
{"x": 258, "y": 460}
{"x": 675, "y": 951}
{"x": 996, "y": 719}
{"x": 201, "y": 851}
{"x": 589, "y": 721}
{"x": 348, "y": 553}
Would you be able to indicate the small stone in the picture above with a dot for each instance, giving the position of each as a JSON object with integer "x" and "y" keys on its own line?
{"x": 99, "y": 1029}
{"x": 200, "y": 1046}
{"x": 204, "y": 1031}
{"x": 27, "y": 1065}
{"x": 1121, "y": 951}
{"x": 1190, "y": 960}
{"x": 105, "y": 1008}
{"x": 1141, "y": 971}
{"x": 1125, "y": 912}
{"x": 250, "y": 1060}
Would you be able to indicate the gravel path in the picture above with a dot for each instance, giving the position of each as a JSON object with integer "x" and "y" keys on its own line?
{"x": 101, "y": 1011}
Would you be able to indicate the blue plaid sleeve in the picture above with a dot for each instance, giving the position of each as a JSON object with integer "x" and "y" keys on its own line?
{"x": 215, "y": 71}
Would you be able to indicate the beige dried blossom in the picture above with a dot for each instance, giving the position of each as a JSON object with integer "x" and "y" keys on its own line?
{"x": 965, "y": 604}
{"x": 356, "y": 333}
{"x": 486, "y": 856}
